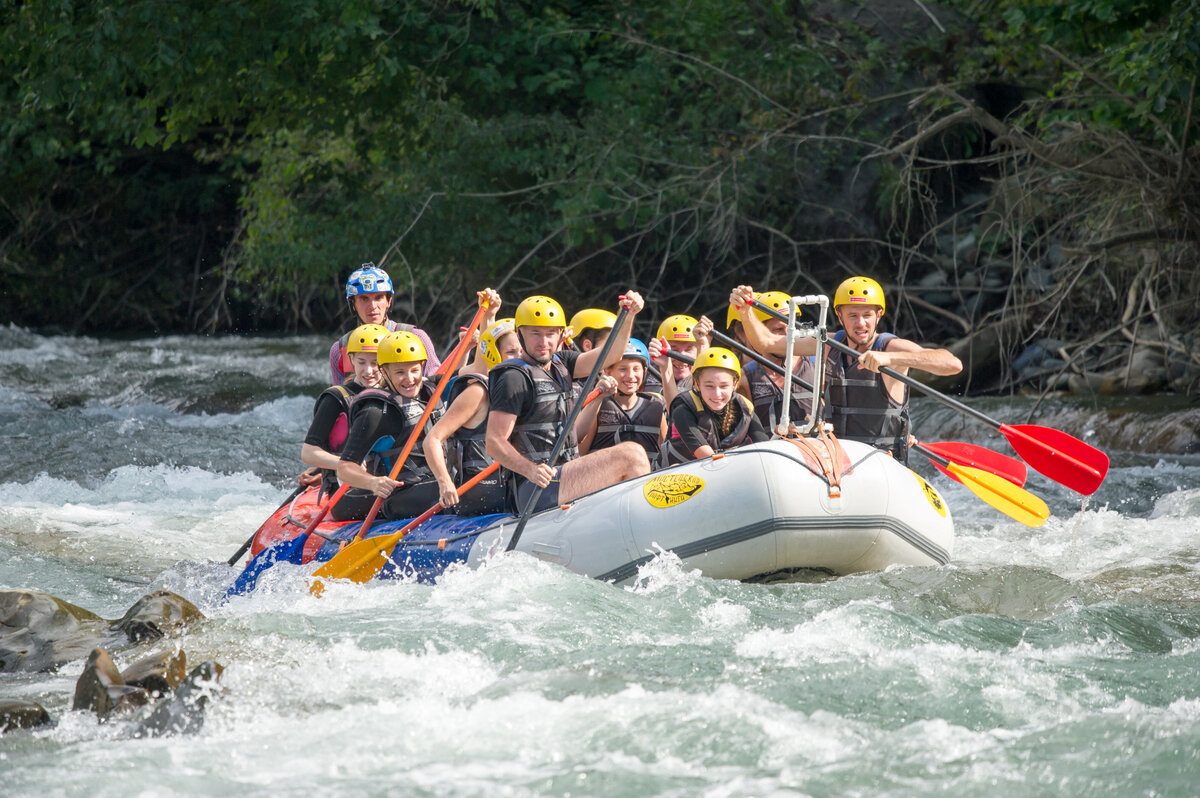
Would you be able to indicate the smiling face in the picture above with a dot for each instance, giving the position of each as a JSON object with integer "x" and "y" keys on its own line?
{"x": 372, "y": 308}
{"x": 629, "y": 374}
{"x": 366, "y": 369}
{"x": 715, "y": 386}
{"x": 541, "y": 342}
{"x": 405, "y": 378}
{"x": 859, "y": 322}
{"x": 680, "y": 369}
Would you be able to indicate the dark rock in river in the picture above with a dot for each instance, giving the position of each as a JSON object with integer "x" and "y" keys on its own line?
{"x": 17, "y": 714}
{"x": 156, "y": 614}
{"x": 102, "y": 690}
{"x": 157, "y": 673}
{"x": 183, "y": 712}
{"x": 39, "y": 632}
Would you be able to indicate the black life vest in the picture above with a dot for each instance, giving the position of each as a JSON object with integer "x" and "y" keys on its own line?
{"x": 468, "y": 445}
{"x": 642, "y": 424}
{"x": 405, "y": 413}
{"x": 708, "y": 423}
{"x": 768, "y": 397}
{"x": 536, "y": 432}
{"x": 335, "y": 441}
{"x": 860, "y": 406}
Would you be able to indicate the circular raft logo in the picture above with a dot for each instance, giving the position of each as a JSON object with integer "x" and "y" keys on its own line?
{"x": 669, "y": 490}
{"x": 934, "y": 497}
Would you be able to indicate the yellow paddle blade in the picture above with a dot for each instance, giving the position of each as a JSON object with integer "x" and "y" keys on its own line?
{"x": 1015, "y": 502}
{"x": 358, "y": 562}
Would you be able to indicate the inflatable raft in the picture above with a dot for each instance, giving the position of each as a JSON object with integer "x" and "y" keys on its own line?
{"x": 764, "y": 512}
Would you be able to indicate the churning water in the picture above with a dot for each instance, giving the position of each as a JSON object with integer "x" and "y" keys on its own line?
{"x": 1058, "y": 661}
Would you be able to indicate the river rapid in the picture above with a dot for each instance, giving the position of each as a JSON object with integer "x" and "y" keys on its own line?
{"x": 1060, "y": 661}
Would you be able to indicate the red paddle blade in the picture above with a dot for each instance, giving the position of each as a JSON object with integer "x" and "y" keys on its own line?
{"x": 981, "y": 457}
{"x": 1062, "y": 457}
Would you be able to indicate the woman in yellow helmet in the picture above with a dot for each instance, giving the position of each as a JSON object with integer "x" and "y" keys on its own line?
{"x": 685, "y": 335}
{"x": 381, "y": 421}
{"x": 712, "y": 417}
{"x": 763, "y": 386}
{"x": 331, "y": 413}
{"x": 463, "y": 429}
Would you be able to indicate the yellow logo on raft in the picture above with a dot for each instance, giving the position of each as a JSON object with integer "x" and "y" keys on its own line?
{"x": 934, "y": 497}
{"x": 669, "y": 490}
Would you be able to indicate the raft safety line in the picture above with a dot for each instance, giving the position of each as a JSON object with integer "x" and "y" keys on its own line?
{"x": 760, "y": 528}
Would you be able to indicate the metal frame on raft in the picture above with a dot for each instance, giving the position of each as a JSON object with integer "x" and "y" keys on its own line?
{"x": 783, "y": 428}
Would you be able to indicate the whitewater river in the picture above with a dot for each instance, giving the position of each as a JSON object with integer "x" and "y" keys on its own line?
{"x": 1061, "y": 661}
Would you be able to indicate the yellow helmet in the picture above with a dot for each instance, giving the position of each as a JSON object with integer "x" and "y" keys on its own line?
{"x": 718, "y": 357}
{"x": 859, "y": 291}
{"x": 401, "y": 347}
{"x": 594, "y": 319}
{"x": 366, "y": 338}
{"x": 489, "y": 342}
{"x": 540, "y": 311}
{"x": 774, "y": 299}
{"x": 676, "y": 328}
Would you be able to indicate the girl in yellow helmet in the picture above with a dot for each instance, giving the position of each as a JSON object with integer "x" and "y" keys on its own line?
{"x": 712, "y": 417}
{"x": 331, "y": 412}
{"x": 381, "y": 421}
{"x": 762, "y": 386}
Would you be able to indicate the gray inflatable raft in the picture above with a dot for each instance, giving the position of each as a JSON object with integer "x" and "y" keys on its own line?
{"x": 762, "y": 512}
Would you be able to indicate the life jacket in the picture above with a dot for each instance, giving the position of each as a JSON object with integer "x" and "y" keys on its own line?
{"x": 536, "y": 432}
{"x": 707, "y": 421}
{"x": 642, "y": 424}
{"x": 861, "y": 409}
{"x": 768, "y": 397}
{"x": 385, "y": 449}
{"x": 344, "y": 396}
{"x": 468, "y": 445}
{"x": 339, "y": 358}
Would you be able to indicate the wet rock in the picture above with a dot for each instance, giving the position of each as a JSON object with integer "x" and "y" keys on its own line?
{"x": 40, "y": 632}
{"x": 183, "y": 712}
{"x": 157, "y": 673}
{"x": 156, "y": 614}
{"x": 102, "y": 690}
{"x": 17, "y": 714}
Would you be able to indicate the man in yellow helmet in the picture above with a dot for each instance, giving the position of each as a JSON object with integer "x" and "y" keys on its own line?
{"x": 864, "y": 405}
{"x": 530, "y": 399}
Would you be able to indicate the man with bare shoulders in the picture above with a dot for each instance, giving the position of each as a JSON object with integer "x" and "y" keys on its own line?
{"x": 530, "y": 399}
{"x": 864, "y": 405}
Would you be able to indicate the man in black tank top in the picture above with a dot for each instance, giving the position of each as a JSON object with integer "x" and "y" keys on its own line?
{"x": 530, "y": 400}
{"x": 864, "y": 404}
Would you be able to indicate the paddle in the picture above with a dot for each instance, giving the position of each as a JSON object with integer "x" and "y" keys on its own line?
{"x": 1062, "y": 457}
{"x": 567, "y": 428}
{"x": 237, "y": 555}
{"x": 447, "y": 368}
{"x": 965, "y": 454}
{"x": 980, "y": 457}
{"x": 1013, "y": 501}
{"x": 362, "y": 559}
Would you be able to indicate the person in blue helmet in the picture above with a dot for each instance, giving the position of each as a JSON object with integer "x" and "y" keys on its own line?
{"x": 369, "y": 294}
{"x": 630, "y": 414}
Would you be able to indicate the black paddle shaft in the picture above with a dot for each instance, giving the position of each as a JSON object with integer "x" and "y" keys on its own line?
{"x": 559, "y": 444}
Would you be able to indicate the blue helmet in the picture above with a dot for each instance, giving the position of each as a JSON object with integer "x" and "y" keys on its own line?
{"x": 368, "y": 279}
{"x": 637, "y": 350}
